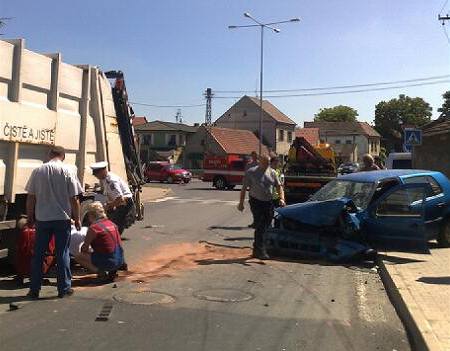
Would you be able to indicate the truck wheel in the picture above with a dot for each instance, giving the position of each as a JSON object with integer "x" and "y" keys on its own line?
{"x": 444, "y": 235}
{"x": 220, "y": 183}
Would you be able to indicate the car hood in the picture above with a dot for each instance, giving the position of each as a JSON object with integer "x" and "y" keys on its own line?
{"x": 316, "y": 213}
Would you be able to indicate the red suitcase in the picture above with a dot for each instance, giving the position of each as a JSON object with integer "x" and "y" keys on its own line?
{"x": 25, "y": 250}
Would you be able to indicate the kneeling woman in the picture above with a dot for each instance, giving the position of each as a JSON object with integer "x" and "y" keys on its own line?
{"x": 106, "y": 256}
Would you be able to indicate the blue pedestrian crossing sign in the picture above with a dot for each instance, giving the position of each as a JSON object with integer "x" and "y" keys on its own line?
{"x": 413, "y": 137}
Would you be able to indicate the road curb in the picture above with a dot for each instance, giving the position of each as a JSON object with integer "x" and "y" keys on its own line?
{"x": 416, "y": 339}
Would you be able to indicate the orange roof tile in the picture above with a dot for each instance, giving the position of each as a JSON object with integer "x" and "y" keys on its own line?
{"x": 237, "y": 141}
{"x": 310, "y": 134}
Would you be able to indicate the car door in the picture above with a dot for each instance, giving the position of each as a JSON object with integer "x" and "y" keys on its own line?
{"x": 435, "y": 203}
{"x": 396, "y": 219}
{"x": 154, "y": 172}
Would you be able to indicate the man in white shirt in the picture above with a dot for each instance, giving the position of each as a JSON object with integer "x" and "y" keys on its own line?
{"x": 120, "y": 206}
{"x": 52, "y": 201}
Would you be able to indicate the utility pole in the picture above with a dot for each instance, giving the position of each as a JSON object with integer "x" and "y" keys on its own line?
{"x": 208, "y": 121}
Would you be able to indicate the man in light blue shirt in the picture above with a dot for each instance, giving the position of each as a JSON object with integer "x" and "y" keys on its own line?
{"x": 52, "y": 202}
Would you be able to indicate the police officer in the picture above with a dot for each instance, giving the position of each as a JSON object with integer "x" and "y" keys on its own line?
{"x": 120, "y": 206}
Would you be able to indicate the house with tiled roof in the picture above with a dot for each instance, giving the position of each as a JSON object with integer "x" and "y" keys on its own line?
{"x": 161, "y": 140}
{"x": 278, "y": 128}
{"x": 360, "y": 137}
{"x": 432, "y": 154}
{"x": 311, "y": 135}
{"x": 219, "y": 142}
{"x": 138, "y": 120}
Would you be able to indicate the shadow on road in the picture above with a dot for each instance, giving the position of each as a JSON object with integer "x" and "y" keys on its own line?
{"x": 245, "y": 261}
{"x": 241, "y": 238}
{"x": 208, "y": 189}
{"x": 227, "y": 228}
{"x": 434, "y": 280}
{"x": 398, "y": 260}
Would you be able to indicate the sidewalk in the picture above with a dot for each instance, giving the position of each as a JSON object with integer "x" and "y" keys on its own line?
{"x": 422, "y": 283}
{"x": 153, "y": 193}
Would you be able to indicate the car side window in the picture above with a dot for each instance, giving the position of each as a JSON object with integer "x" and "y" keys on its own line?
{"x": 401, "y": 203}
{"x": 435, "y": 187}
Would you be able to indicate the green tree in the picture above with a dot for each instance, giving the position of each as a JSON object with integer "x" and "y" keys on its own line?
{"x": 394, "y": 115}
{"x": 339, "y": 113}
{"x": 445, "y": 108}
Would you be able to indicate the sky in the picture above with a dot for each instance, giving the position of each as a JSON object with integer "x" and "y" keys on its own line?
{"x": 172, "y": 50}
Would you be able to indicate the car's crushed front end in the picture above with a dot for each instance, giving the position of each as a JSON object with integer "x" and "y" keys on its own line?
{"x": 319, "y": 229}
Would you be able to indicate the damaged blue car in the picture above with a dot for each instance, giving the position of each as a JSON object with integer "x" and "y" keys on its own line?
{"x": 355, "y": 214}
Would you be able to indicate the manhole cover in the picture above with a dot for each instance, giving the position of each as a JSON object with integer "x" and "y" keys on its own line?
{"x": 144, "y": 298}
{"x": 223, "y": 295}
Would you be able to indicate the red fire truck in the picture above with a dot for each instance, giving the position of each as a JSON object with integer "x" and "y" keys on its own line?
{"x": 225, "y": 172}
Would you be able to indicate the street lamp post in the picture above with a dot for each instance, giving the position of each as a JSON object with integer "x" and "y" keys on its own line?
{"x": 261, "y": 71}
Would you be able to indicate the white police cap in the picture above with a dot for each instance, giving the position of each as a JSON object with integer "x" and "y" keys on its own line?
{"x": 99, "y": 165}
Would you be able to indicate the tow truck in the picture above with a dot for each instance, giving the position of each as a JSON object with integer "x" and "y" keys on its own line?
{"x": 307, "y": 169}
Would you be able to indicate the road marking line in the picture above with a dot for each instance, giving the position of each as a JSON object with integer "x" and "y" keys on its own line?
{"x": 164, "y": 199}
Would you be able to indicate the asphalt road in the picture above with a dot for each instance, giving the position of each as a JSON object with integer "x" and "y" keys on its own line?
{"x": 193, "y": 286}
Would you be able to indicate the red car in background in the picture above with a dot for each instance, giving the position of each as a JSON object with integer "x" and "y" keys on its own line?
{"x": 166, "y": 172}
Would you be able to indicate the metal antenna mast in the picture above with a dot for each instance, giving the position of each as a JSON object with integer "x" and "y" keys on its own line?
{"x": 443, "y": 18}
{"x": 3, "y": 22}
{"x": 208, "y": 96}
{"x": 208, "y": 121}
{"x": 178, "y": 117}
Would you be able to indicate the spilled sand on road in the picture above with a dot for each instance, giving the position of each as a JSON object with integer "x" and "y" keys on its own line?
{"x": 168, "y": 260}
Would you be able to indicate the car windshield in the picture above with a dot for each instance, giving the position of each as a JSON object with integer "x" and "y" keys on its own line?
{"x": 359, "y": 192}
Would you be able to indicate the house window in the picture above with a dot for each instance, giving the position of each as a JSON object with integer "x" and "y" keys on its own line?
{"x": 245, "y": 113}
{"x": 182, "y": 142}
{"x": 348, "y": 142}
{"x": 337, "y": 141}
{"x": 290, "y": 137}
{"x": 202, "y": 142}
{"x": 147, "y": 139}
{"x": 280, "y": 135}
{"x": 172, "y": 140}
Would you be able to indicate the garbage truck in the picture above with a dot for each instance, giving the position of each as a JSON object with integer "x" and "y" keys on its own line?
{"x": 45, "y": 101}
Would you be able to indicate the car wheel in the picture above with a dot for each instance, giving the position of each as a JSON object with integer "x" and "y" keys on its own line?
{"x": 170, "y": 180}
{"x": 220, "y": 183}
{"x": 186, "y": 181}
{"x": 444, "y": 235}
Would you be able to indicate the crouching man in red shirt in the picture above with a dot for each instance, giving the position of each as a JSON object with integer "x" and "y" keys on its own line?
{"x": 106, "y": 256}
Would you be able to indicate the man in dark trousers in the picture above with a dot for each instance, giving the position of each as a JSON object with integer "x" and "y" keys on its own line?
{"x": 52, "y": 201}
{"x": 261, "y": 181}
{"x": 252, "y": 163}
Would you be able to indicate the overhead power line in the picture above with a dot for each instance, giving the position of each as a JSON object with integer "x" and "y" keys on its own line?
{"x": 344, "y": 91}
{"x": 164, "y": 106}
{"x": 338, "y": 86}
